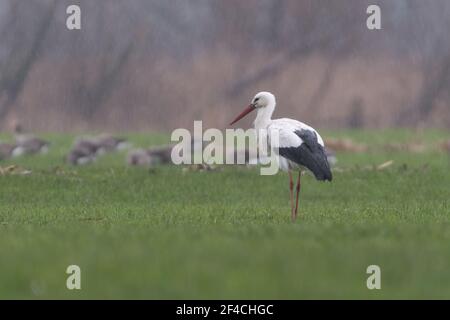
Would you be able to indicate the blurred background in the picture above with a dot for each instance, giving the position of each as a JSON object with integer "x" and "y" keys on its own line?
{"x": 154, "y": 65}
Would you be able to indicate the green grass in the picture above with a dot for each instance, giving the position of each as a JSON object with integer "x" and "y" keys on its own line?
{"x": 166, "y": 233}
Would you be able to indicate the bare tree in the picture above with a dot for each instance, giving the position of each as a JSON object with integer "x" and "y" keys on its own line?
{"x": 308, "y": 36}
{"x": 23, "y": 54}
{"x": 181, "y": 54}
{"x": 434, "y": 59}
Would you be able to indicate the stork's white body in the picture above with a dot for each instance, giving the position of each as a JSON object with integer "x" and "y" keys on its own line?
{"x": 286, "y": 129}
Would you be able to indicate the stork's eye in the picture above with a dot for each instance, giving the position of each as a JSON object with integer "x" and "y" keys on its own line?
{"x": 256, "y": 99}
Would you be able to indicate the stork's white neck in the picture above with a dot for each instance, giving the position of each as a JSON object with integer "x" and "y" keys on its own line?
{"x": 264, "y": 116}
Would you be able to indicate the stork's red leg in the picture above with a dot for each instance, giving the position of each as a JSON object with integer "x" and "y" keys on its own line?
{"x": 291, "y": 189}
{"x": 298, "y": 191}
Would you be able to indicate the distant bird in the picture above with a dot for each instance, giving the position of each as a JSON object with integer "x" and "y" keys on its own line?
{"x": 139, "y": 157}
{"x": 28, "y": 143}
{"x": 32, "y": 145}
{"x": 84, "y": 151}
{"x": 151, "y": 156}
{"x": 80, "y": 156}
{"x": 300, "y": 146}
{"x": 109, "y": 143}
{"x": 7, "y": 150}
{"x": 161, "y": 154}
{"x": 88, "y": 146}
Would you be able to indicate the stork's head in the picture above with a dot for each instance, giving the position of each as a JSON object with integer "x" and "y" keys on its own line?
{"x": 262, "y": 99}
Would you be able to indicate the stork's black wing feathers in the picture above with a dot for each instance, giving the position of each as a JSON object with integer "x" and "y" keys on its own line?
{"x": 309, "y": 154}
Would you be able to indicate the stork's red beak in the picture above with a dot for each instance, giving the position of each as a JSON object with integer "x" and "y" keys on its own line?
{"x": 246, "y": 111}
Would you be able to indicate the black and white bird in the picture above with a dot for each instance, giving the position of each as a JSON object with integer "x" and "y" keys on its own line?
{"x": 27, "y": 143}
{"x": 300, "y": 146}
{"x": 84, "y": 151}
{"x": 150, "y": 157}
{"x": 109, "y": 143}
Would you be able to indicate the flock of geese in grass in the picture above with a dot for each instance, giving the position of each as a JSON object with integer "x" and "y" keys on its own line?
{"x": 85, "y": 150}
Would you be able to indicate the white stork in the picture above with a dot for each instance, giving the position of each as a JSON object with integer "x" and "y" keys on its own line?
{"x": 300, "y": 146}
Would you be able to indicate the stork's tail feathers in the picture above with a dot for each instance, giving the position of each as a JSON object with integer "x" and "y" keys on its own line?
{"x": 309, "y": 154}
{"x": 319, "y": 166}
{"x": 325, "y": 173}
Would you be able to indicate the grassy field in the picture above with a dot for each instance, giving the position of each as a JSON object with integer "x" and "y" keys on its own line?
{"x": 168, "y": 233}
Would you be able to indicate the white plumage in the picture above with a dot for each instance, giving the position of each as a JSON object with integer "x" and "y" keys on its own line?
{"x": 286, "y": 129}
